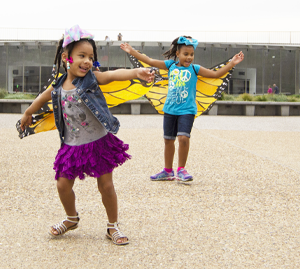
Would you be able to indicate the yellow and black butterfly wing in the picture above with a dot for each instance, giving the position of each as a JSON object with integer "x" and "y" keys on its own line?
{"x": 157, "y": 95}
{"x": 208, "y": 90}
{"x": 40, "y": 123}
{"x": 115, "y": 93}
{"x": 118, "y": 92}
{"x": 158, "y": 72}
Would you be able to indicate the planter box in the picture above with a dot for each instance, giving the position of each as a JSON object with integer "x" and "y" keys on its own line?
{"x": 137, "y": 107}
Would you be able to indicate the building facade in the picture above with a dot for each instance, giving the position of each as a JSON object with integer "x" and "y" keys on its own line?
{"x": 27, "y": 65}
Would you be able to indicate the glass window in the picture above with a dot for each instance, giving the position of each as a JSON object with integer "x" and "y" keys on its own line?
{"x": 116, "y": 57}
{"x": 15, "y": 69}
{"x": 271, "y": 68}
{"x": 255, "y": 68}
{"x": 29, "y": 67}
{"x": 31, "y": 55}
{"x": 31, "y": 79}
{"x": 47, "y": 55}
{"x": 46, "y": 78}
{"x": 288, "y": 75}
{"x": 103, "y": 54}
{"x": 203, "y": 57}
{"x": 297, "y": 73}
{"x": 239, "y": 82}
{"x": 3, "y": 62}
{"x": 219, "y": 55}
{"x": 31, "y": 70}
{"x": 154, "y": 52}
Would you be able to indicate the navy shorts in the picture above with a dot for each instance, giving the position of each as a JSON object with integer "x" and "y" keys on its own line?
{"x": 175, "y": 125}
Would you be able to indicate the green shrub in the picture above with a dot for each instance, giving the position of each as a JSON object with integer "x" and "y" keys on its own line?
{"x": 226, "y": 97}
{"x": 3, "y": 93}
{"x": 19, "y": 95}
{"x": 293, "y": 98}
{"x": 279, "y": 98}
{"x": 244, "y": 97}
{"x": 260, "y": 98}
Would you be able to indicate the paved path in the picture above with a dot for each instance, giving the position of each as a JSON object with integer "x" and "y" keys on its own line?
{"x": 241, "y": 210}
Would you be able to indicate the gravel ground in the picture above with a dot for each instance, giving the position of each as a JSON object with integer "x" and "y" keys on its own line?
{"x": 241, "y": 210}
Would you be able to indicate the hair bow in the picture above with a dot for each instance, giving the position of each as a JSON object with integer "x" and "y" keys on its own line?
{"x": 188, "y": 41}
{"x": 70, "y": 60}
{"x": 75, "y": 33}
{"x": 96, "y": 64}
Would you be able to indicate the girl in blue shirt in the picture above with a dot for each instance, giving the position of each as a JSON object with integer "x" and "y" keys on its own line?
{"x": 180, "y": 106}
{"x": 85, "y": 126}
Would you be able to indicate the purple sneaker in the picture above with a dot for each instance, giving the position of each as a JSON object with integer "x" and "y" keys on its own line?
{"x": 163, "y": 176}
{"x": 183, "y": 175}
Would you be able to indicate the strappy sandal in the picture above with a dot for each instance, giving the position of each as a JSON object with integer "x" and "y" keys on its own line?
{"x": 61, "y": 228}
{"x": 116, "y": 235}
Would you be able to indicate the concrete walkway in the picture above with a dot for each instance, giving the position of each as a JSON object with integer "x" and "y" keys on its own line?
{"x": 241, "y": 210}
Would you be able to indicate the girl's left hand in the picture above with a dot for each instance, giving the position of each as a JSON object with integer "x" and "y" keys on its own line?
{"x": 238, "y": 58}
{"x": 145, "y": 74}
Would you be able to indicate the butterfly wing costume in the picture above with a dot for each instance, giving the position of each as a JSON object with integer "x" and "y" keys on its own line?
{"x": 208, "y": 90}
{"x": 115, "y": 93}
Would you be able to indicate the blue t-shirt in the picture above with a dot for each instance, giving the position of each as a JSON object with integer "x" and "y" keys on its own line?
{"x": 182, "y": 89}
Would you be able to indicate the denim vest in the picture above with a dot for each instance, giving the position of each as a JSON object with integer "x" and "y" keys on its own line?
{"x": 90, "y": 94}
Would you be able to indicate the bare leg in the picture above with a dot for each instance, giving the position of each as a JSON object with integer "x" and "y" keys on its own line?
{"x": 109, "y": 199}
{"x": 67, "y": 198}
{"x": 169, "y": 153}
{"x": 183, "y": 150}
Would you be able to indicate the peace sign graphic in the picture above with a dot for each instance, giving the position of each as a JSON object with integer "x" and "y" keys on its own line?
{"x": 185, "y": 75}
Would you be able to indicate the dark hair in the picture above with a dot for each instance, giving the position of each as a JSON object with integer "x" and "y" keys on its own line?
{"x": 69, "y": 48}
{"x": 174, "y": 47}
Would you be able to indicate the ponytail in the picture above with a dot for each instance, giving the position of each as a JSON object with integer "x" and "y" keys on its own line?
{"x": 171, "y": 53}
{"x": 57, "y": 59}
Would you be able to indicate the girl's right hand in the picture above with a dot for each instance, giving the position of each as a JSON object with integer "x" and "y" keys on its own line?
{"x": 126, "y": 47}
{"x": 26, "y": 120}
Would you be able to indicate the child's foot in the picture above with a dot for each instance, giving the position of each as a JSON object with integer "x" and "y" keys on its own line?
{"x": 163, "y": 176}
{"x": 65, "y": 226}
{"x": 114, "y": 233}
{"x": 183, "y": 175}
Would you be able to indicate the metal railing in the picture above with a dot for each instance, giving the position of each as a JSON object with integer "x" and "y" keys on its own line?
{"x": 247, "y": 37}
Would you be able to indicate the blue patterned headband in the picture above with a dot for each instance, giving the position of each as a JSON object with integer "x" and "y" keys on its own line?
{"x": 188, "y": 41}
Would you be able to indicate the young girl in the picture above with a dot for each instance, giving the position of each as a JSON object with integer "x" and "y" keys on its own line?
{"x": 180, "y": 106}
{"x": 85, "y": 126}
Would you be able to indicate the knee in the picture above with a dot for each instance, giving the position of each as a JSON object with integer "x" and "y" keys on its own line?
{"x": 183, "y": 140}
{"x": 106, "y": 187}
{"x": 169, "y": 142}
{"x": 63, "y": 186}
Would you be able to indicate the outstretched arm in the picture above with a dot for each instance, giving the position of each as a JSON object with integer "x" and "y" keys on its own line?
{"x": 220, "y": 72}
{"x": 152, "y": 62}
{"x": 124, "y": 74}
{"x": 34, "y": 107}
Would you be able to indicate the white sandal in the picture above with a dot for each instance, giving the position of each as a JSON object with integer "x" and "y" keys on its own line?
{"x": 116, "y": 235}
{"x": 61, "y": 228}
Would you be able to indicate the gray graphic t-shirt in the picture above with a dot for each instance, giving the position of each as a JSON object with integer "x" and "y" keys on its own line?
{"x": 81, "y": 126}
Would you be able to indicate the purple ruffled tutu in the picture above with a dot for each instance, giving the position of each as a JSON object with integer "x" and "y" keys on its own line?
{"x": 93, "y": 159}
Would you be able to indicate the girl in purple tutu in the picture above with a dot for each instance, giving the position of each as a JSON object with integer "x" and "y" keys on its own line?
{"x": 85, "y": 126}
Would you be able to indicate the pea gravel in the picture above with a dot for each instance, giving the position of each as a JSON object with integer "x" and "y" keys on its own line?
{"x": 241, "y": 210}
